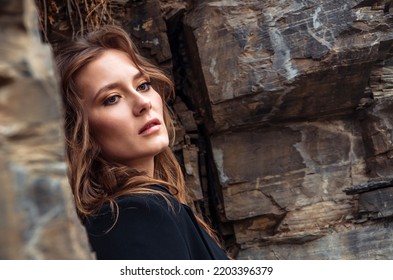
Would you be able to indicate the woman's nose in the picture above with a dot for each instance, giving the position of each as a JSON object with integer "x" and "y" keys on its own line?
{"x": 141, "y": 105}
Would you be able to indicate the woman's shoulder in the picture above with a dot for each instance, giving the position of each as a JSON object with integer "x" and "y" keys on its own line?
{"x": 144, "y": 210}
{"x": 156, "y": 197}
{"x": 153, "y": 225}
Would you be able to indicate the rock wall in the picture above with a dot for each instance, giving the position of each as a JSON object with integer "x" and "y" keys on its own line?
{"x": 37, "y": 215}
{"x": 284, "y": 115}
{"x": 300, "y": 111}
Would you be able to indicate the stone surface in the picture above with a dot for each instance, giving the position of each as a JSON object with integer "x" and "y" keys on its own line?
{"x": 280, "y": 168}
{"x": 377, "y": 125}
{"x": 366, "y": 242}
{"x": 282, "y": 107}
{"x": 190, "y": 162}
{"x": 299, "y": 110}
{"x": 287, "y": 60}
{"x": 38, "y": 218}
{"x": 377, "y": 204}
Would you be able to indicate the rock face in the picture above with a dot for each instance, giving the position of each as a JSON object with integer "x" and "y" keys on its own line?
{"x": 300, "y": 109}
{"x": 37, "y": 216}
{"x": 285, "y": 124}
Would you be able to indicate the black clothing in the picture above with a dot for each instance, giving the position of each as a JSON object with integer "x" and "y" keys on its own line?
{"x": 148, "y": 228}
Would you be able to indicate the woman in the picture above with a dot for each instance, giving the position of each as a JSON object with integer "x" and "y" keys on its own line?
{"x": 128, "y": 187}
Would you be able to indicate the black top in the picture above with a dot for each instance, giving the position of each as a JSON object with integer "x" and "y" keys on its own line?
{"x": 148, "y": 228}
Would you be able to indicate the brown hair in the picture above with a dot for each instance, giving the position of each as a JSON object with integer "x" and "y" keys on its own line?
{"x": 94, "y": 180}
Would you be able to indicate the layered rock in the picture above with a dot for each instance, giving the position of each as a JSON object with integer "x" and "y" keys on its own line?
{"x": 300, "y": 109}
{"x": 38, "y": 218}
{"x": 284, "y": 115}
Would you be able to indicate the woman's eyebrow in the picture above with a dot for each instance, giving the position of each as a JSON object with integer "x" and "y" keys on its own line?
{"x": 140, "y": 75}
{"x": 117, "y": 85}
{"x": 106, "y": 88}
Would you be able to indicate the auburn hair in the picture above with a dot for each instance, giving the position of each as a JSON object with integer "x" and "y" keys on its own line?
{"x": 93, "y": 179}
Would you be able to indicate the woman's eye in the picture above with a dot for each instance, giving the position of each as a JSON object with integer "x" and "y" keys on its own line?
{"x": 144, "y": 87}
{"x": 111, "y": 100}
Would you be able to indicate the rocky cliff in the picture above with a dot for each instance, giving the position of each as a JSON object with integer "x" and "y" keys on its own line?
{"x": 285, "y": 125}
{"x": 37, "y": 215}
{"x": 299, "y": 105}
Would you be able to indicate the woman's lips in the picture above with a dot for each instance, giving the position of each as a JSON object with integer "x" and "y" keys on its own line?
{"x": 150, "y": 127}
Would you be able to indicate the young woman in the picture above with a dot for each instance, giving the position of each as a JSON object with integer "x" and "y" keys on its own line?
{"x": 128, "y": 187}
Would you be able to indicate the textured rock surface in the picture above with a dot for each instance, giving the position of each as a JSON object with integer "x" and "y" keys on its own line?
{"x": 38, "y": 219}
{"x": 300, "y": 109}
{"x": 372, "y": 241}
{"x": 284, "y": 110}
{"x": 286, "y": 60}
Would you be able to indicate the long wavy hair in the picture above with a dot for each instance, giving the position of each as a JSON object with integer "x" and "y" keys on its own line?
{"x": 93, "y": 179}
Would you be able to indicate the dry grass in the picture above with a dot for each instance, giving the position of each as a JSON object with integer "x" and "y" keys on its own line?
{"x": 83, "y": 15}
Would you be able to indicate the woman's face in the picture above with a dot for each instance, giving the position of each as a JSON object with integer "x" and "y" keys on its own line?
{"x": 125, "y": 113}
